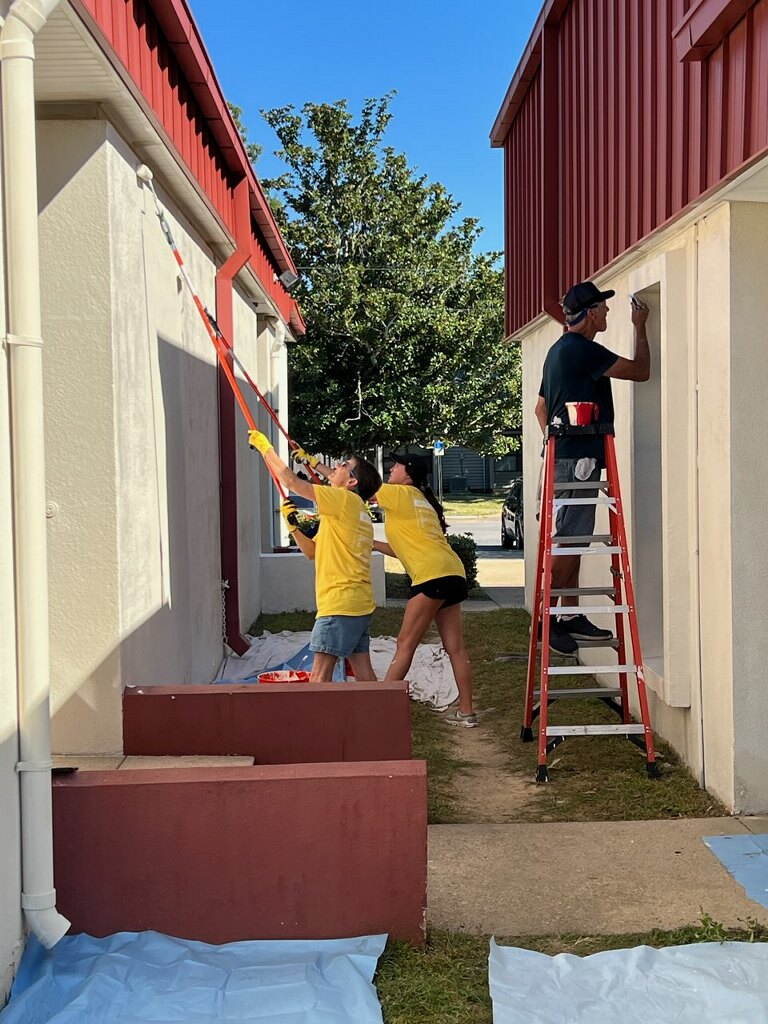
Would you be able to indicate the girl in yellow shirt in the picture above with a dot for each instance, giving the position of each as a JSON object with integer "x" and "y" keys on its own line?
{"x": 415, "y": 530}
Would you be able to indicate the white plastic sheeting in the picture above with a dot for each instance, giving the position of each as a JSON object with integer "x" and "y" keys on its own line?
{"x": 698, "y": 984}
{"x": 430, "y": 677}
{"x": 148, "y": 978}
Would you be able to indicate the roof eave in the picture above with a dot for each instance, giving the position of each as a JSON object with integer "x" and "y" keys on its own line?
{"x": 550, "y": 14}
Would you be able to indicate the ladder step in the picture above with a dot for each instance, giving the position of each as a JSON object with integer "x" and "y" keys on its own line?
{"x": 582, "y": 485}
{"x": 594, "y": 609}
{"x": 583, "y": 591}
{"x": 595, "y": 730}
{"x": 594, "y": 538}
{"x": 589, "y": 670}
{"x": 586, "y": 551}
{"x": 610, "y": 641}
{"x": 577, "y": 694}
{"x": 600, "y": 500}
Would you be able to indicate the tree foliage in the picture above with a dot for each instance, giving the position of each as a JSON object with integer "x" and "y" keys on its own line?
{"x": 252, "y": 149}
{"x": 404, "y": 321}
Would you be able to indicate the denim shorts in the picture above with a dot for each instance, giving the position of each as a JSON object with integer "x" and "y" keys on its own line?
{"x": 574, "y": 520}
{"x": 341, "y": 635}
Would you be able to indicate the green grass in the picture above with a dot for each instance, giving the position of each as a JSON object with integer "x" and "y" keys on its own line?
{"x": 446, "y": 982}
{"x": 458, "y": 505}
{"x": 591, "y": 778}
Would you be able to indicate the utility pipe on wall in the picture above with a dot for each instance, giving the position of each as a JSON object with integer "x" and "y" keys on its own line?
{"x": 230, "y": 535}
{"x": 17, "y": 35}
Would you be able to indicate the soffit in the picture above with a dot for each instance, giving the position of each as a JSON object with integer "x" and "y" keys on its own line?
{"x": 70, "y": 68}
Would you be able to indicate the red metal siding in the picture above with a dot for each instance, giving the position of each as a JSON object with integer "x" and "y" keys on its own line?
{"x": 641, "y": 136}
{"x": 187, "y": 111}
{"x": 523, "y": 161}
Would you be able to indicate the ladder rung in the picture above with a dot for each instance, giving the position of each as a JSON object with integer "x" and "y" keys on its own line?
{"x": 589, "y": 670}
{"x": 582, "y": 485}
{"x": 595, "y": 730}
{"x": 586, "y": 551}
{"x": 610, "y": 641}
{"x": 583, "y": 591}
{"x": 600, "y": 500}
{"x": 593, "y": 538}
{"x": 594, "y": 609}
{"x": 576, "y": 694}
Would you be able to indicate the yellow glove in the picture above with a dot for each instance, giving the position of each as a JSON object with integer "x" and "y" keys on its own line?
{"x": 259, "y": 441}
{"x": 299, "y": 455}
{"x": 289, "y": 513}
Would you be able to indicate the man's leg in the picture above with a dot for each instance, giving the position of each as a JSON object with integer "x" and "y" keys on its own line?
{"x": 322, "y": 668}
{"x": 565, "y": 574}
{"x": 362, "y": 667}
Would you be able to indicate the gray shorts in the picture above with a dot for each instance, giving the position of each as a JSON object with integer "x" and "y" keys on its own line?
{"x": 574, "y": 520}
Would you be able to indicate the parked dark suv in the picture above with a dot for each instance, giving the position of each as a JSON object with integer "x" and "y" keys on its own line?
{"x": 512, "y": 516}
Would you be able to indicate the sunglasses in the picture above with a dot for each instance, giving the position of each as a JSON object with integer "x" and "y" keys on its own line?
{"x": 345, "y": 463}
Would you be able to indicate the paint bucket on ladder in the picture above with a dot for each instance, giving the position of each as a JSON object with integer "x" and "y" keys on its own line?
{"x": 581, "y": 414}
{"x": 284, "y": 676}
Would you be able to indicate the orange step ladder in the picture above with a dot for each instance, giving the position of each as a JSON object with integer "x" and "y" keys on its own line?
{"x": 622, "y": 604}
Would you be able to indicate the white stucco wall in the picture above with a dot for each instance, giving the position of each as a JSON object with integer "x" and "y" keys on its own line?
{"x": 73, "y": 183}
{"x": 705, "y": 683}
{"x": 132, "y": 440}
{"x": 749, "y": 499}
{"x": 166, "y": 430}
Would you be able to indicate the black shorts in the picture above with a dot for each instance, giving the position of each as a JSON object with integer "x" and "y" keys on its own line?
{"x": 448, "y": 589}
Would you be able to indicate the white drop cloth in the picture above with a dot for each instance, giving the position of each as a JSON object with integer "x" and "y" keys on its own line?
{"x": 697, "y": 984}
{"x": 430, "y": 677}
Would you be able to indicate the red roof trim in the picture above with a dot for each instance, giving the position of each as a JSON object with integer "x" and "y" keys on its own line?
{"x": 183, "y": 36}
{"x": 551, "y": 13}
{"x": 705, "y": 26}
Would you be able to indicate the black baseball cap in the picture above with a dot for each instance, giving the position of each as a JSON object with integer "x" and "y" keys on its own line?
{"x": 582, "y": 296}
{"x": 417, "y": 466}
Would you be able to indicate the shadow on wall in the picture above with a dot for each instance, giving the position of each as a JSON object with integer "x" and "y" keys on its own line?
{"x": 170, "y": 599}
{"x": 182, "y": 640}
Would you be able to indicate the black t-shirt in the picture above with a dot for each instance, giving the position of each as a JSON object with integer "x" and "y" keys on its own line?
{"x": 573, "y": 372}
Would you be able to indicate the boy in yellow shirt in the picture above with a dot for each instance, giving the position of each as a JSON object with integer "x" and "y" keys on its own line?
{"x": 342, "y": 554}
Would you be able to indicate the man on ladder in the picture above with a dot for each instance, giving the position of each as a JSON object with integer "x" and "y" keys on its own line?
{"x": 578, "y": 369}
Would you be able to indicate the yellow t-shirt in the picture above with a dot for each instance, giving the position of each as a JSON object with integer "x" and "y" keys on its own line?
{"x": 414, "y": 533}
{"x": 343, "y": 554}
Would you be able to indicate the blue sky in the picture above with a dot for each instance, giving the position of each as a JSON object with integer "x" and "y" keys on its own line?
{"x": 450, "y": 64}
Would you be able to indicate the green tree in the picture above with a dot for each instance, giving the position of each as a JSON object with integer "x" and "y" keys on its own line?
{"x": 253, "y": 149}
{"x": 404, "y": 321}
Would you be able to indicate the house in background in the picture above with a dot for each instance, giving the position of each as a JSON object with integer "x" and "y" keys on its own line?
{"x": 635, "y": 138}
{"x": 466, "y": 470}
{"x": 116, "y": 423}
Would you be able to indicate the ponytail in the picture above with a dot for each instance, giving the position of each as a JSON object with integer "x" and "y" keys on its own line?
{"x": 429, "y": 494}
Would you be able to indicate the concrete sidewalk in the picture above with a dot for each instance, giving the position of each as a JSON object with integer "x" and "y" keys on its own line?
{"x": 502, "y": 577}
{"x": 584, "y": 877}
{"x": 501, "y": 574}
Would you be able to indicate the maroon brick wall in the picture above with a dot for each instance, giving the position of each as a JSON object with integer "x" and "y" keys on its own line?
{"x": 277, "y": 724}
{"x": 299, "y": 851}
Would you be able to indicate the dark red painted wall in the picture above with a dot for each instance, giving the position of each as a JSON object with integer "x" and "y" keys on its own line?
{"x": 627, "y": 135}
{"x": 301, "y": 851}
{"x": 276, "y": 724}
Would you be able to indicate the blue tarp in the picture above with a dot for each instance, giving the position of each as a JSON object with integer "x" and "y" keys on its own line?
{"x": 149, "y": 978}
{"x": 746, "y": 858}
{"x": 711, "y": 981}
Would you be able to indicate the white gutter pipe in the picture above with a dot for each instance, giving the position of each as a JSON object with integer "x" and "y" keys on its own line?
{"x": 24, "y": 20}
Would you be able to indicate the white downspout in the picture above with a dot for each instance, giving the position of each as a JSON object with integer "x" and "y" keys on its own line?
{"x": 17, "y": 34}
